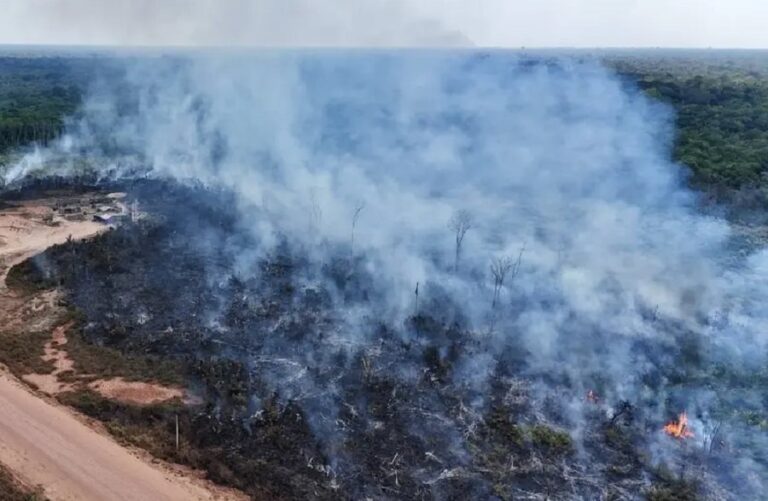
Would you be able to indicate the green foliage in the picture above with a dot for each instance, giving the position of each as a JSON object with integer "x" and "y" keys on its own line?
{"x": 671, "y": 487}
{"x": 24, "y": 279}
{"x": 721, "y": 100}
{"x": 671, "y": 494}
{"x": 104, "y": 362}
{"x": 22, "y": 351}
{"x": 506, "y": 432}
{"x": 550, "y": 439}
{"x": 676, "y": 491}
{"x": 149, "y": 427}
{"x": 36, "y": 95}
{"x": 508, "y": 435}
{"x": 220, "y": 448}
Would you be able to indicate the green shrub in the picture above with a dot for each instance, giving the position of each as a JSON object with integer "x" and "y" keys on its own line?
{"x": 551, "y": 439}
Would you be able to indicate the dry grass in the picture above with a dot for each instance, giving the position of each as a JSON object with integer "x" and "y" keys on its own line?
{"x": 22, "y": 352}
{"x": 100, "y": 362}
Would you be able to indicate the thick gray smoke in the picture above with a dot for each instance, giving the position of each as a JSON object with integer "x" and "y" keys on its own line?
{"x": 559, "y": 165}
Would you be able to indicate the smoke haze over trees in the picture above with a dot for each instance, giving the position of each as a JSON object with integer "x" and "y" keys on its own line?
{"x": 622, "y": 276}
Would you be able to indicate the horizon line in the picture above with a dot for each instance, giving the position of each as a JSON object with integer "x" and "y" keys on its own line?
{"x": 88, "y": 46}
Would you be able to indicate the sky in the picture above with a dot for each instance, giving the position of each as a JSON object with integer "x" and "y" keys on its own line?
{"x": 381, "y": 23}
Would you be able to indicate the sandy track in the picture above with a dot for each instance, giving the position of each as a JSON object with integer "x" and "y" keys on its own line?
{"x": 46, "y": 445}
{"x": 49, "y": 445}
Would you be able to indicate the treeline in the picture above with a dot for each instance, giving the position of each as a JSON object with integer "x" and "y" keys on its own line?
{"x": 18, "y": 134}
{"x": 36, "y": 96}
{"x": 721, "y": 100}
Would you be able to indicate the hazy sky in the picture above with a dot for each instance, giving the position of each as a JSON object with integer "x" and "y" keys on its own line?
{"x": 514, "y": 23}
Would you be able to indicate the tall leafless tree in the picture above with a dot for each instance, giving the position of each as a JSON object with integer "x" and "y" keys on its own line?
{"x": 500, "y": 266}
{"x": 460, "y": 223}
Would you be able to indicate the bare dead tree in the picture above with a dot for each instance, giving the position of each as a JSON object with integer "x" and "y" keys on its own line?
{"x": 500, "y": 266}
{"x": 519, "y": 262}
{"x": 355, "y": 219}
{"x": 460, "y": 223}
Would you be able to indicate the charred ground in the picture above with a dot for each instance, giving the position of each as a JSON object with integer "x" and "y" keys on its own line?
{"x": 382, "y": 419}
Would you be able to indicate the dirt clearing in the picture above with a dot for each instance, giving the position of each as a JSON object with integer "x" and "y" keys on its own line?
{"x": 44, "y": 443}
{"x": 129, "y": 392}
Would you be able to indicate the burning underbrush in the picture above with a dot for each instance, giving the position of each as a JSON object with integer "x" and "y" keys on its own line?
{"x": 679, "y": 428}
{"x": 304, "y": 398}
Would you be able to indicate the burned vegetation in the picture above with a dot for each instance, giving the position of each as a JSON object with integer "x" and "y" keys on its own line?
{"x": 291, "y": 406}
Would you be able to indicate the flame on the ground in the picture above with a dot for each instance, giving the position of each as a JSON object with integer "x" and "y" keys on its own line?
{"x": 679, "y": 428}
{"x": 592, "y": 397}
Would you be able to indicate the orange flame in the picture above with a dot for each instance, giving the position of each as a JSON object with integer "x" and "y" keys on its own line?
{"x": 679, "y": 429}
{"x": 592, "y": 397}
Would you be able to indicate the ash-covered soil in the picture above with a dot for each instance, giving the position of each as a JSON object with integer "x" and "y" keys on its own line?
{"x": 292, "y": 409}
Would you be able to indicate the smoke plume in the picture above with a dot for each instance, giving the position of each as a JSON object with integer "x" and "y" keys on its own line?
{"x": 561, "y": 170}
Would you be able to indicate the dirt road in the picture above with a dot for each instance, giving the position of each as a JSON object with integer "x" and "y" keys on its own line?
{"x": 48, "y": 445}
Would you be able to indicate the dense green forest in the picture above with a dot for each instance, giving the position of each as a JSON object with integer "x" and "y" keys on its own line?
{"x": 721, "y": 100}
{"x": 36, "y": 95}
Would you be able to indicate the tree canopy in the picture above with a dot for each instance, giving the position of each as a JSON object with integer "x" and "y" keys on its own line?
{"x": 721, "y": 101}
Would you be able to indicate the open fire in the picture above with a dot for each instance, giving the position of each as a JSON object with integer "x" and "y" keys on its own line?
{"x": 679, "y": 428}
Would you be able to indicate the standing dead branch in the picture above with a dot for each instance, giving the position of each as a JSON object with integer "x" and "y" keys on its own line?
{"x": 516, "y": 268}
{"x": 709, "y": 442}
{"x": 500, "y": 268}
{"x": 355, "y": 219}
{"x": 460, "y": 223}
